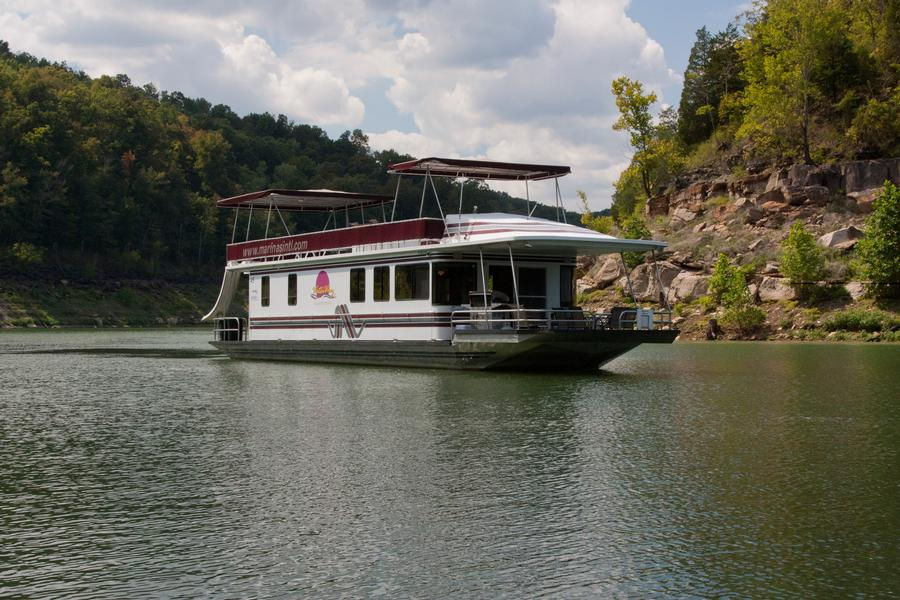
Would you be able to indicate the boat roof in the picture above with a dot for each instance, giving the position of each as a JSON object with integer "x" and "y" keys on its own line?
{"x": 304, "y": 200}
{"x": 477, "y": 169}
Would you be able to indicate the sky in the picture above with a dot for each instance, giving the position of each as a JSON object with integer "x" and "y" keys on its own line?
{"x": 507, "y": 80}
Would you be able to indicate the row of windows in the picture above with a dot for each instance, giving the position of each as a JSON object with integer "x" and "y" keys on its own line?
{"x": 451, "y": 284}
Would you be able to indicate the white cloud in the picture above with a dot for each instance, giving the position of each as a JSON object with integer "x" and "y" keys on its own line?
{"x": 507, "y": 80}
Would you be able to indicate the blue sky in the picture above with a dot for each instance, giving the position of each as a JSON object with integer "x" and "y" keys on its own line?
{"x": 513, "y": 80}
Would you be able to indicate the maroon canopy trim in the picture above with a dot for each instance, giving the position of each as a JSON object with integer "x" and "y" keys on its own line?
{"x": 307, "y": 200}
{"x": 477, "y": 169}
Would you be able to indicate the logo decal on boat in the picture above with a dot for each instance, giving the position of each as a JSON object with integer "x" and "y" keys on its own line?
{"x": 345, "y": 323}
{"x": 322, "y": 289}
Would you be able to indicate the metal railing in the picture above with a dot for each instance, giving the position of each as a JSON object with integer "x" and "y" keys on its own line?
{"x": 230, "y": 329}
{"x": 512, "y": 318}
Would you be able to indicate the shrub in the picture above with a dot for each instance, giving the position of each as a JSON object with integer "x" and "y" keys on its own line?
{"x": 746, "y": 319}
{"x": 879, "y": 251}
{"x": 801, "y": 259}
{"x": 706, "y": 303}
{"x": 26, "y": 254}
{"x": 862, "y": 320}
{"x": 601, "y": 223}
{"x": 728, "y": 284}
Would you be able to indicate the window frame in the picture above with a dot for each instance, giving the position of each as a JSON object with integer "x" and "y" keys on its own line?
{"x": 385, "y": 282}
{"x": 265, "y": 291}
{"x": 412, "y": 269}
{"x": 358, "y": 284}
{"x": 292, "y": 289}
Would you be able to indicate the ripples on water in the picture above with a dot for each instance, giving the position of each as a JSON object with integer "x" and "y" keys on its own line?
{"x": 138, "y": 463}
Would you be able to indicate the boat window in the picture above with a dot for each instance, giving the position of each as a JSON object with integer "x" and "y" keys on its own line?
{"x": 264, "y": 291}
{"x": 566, "y": 286}
{"x": 500, "y": 280}
{"x": 357, "y": 285}
{"x": 411, "y": 282}
{"x": 532, "y": 287}
{"x": 382, "y": 284}
{"x": 452, "y": 283}
{"x": 292, "y": 289}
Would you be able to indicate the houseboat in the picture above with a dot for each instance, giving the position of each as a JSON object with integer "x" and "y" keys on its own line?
{"x": 462, "y": 291}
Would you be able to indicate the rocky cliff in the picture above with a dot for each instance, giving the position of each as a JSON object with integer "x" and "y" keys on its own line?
{"x": 746, "y": 216}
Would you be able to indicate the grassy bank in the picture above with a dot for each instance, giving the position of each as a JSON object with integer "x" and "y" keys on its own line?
{"x": 127, "y": 303}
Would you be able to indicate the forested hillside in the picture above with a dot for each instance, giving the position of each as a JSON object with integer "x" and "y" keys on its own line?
{"x": 794, "y": 81}
{"x": 100, "y": 178}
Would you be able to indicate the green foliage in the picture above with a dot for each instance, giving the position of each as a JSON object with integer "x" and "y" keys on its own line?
{"x": 600, "y": 223}
{"x": 879, "y": 250}
{"x": 707, "y": 303}
{"x": 26, "y": 254}
{"x": 728, "y": 284}
{"x": 746, "y": 319}
{"x": 713, "y": 72}
{"x": 635, "y": 228}
{"x": 862, "y": 320}
{"x": 94, "y": 170}
{"x": 801, "y": 258}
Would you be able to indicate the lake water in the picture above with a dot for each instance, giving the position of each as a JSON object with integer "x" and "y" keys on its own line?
{"x": 139, "y": 463}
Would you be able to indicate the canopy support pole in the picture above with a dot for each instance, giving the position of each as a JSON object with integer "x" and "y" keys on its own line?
{"x": 527, "y": 201}
{"x": 628, "y": 278}
{"x": 483, "y": 283}
{"x": 249, "y": 219}
{"x": 424, "y": 187}
{"x": 237, "y": 214}
{"x": 268, "y": 216}
{"x": 396, "y": 193}
{"x": 512, "y": 267}
{"x": 286, "y": 230}
{"x": 346, "y": 215}
{"x": 437, "y": 201}
{"x": 328, "y": 220}
{"x": 559, "y": 202}
{"x": 461, "y": 186}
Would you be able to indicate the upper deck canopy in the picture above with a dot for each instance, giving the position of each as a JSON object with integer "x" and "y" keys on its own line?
{"x": 305, "y": 200}
{"x": 477, "y": 169}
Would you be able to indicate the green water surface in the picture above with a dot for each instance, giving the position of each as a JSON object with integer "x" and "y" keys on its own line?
{"x": 140, "y": 463}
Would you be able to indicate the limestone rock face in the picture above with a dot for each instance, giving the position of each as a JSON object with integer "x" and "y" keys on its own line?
{"x": 862, "y": 175}
{"x": 772, "y": 289}
{"x": 643, "y": 280}
{"x": 865, "y": 198}
{"x": 684, "y": 214}
{"x": 604, "y": 272}
{"x": 688, "y": 286}
{"x": 843, "y": 238}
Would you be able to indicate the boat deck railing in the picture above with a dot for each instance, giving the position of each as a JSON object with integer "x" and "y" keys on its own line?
{"x": 230, "y": 329}
{"x": 512, "y": 318}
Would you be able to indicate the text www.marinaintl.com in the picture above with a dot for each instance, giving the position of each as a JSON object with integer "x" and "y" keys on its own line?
{"x": 285, "y": 247}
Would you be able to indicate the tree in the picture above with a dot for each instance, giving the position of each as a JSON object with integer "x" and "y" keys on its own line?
{"x": 728, "y": 286}
{"x": 790, "y": 44}
{"x": 657, "y": 155}
{"x": 599, "y": 223}
{"x": 879, "y": 250}
{"x": 634, "y": 117}
{"x": 801, "y": 259}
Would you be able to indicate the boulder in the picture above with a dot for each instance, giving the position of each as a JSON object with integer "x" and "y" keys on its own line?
{"x": 864, "y": 199}
{"x": 645, "y": 285}
{"x": 753, "y": 215}
{"x": 602, "y": 274}
{"x": 754, "y": 245}
{"x": 772, "y": 289}
{"x": 843, "y": 238}
{"x": 699, "y": 227}
{"x": 773, "y": 195}
{"x": 813, "y": 194}
{"x": 688, "y": 286}
{"x": 856, "y": 289}
{"x": 773, "y": 206}
{"x": 684, "y": 214}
